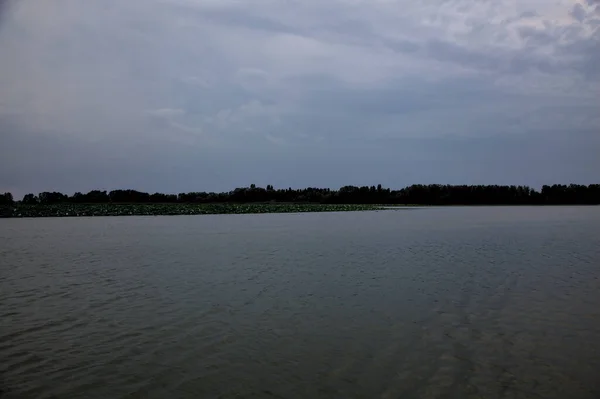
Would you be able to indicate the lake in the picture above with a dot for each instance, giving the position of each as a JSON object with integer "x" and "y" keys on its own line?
{"x": 455, "y": 302}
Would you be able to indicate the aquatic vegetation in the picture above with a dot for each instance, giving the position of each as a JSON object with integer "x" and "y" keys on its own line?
{"x": 69, "y": 210}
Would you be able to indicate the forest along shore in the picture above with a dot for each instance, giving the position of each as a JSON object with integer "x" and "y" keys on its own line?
{"x": 255, "y": 199}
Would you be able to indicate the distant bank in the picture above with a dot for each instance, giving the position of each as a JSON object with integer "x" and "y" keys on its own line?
{"x": 267, "y": 199}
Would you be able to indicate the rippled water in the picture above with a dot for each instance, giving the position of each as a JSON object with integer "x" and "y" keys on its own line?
{"x": 424, "y": 303}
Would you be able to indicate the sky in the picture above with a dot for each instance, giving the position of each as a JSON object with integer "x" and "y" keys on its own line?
{"x": 209, "y": 95}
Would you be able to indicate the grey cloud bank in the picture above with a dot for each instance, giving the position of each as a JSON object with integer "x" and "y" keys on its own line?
{"x": 182, "y": 95}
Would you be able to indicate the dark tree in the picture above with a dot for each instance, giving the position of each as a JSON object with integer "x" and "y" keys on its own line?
{"x": 30, "y": 199}
{"x": 163, "y": 198}
{"x": 93, "y": 197}
{"x": 129, "y": 196}
{"x": 6, "y": 199}
{"x": 52, "y": 198}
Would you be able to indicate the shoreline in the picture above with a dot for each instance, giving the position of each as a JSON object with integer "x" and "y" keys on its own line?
{"x": 68, "y": 210}
{"x": 105, "y": 210}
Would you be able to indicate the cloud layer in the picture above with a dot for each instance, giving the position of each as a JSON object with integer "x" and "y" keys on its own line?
{"x": 175, "y": 95}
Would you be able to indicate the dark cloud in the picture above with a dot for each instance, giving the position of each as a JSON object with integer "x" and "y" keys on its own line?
{"x": 184, "y": 95}
{"x": 237, "y": 18}
{"x": 402, "y": 46}
{"x": 535, "y": 36}
{"x": 594, "y": 4}
{"x": 578, "y": 12}
{"x": 586, "y": 53}
{"x": 516, "y": 62}
{"x": 528, "y": 14}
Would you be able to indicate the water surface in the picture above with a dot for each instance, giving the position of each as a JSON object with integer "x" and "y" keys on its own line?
{"x": 482, "y": 302}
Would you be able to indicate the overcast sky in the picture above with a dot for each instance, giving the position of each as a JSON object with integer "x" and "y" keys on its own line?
{"x": 194, "y": 95}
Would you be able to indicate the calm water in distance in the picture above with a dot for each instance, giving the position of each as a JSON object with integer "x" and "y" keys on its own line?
{"x": 458, "y": 302}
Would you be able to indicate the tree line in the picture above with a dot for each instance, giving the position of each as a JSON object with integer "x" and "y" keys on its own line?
{"x": 432, "y": 194}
